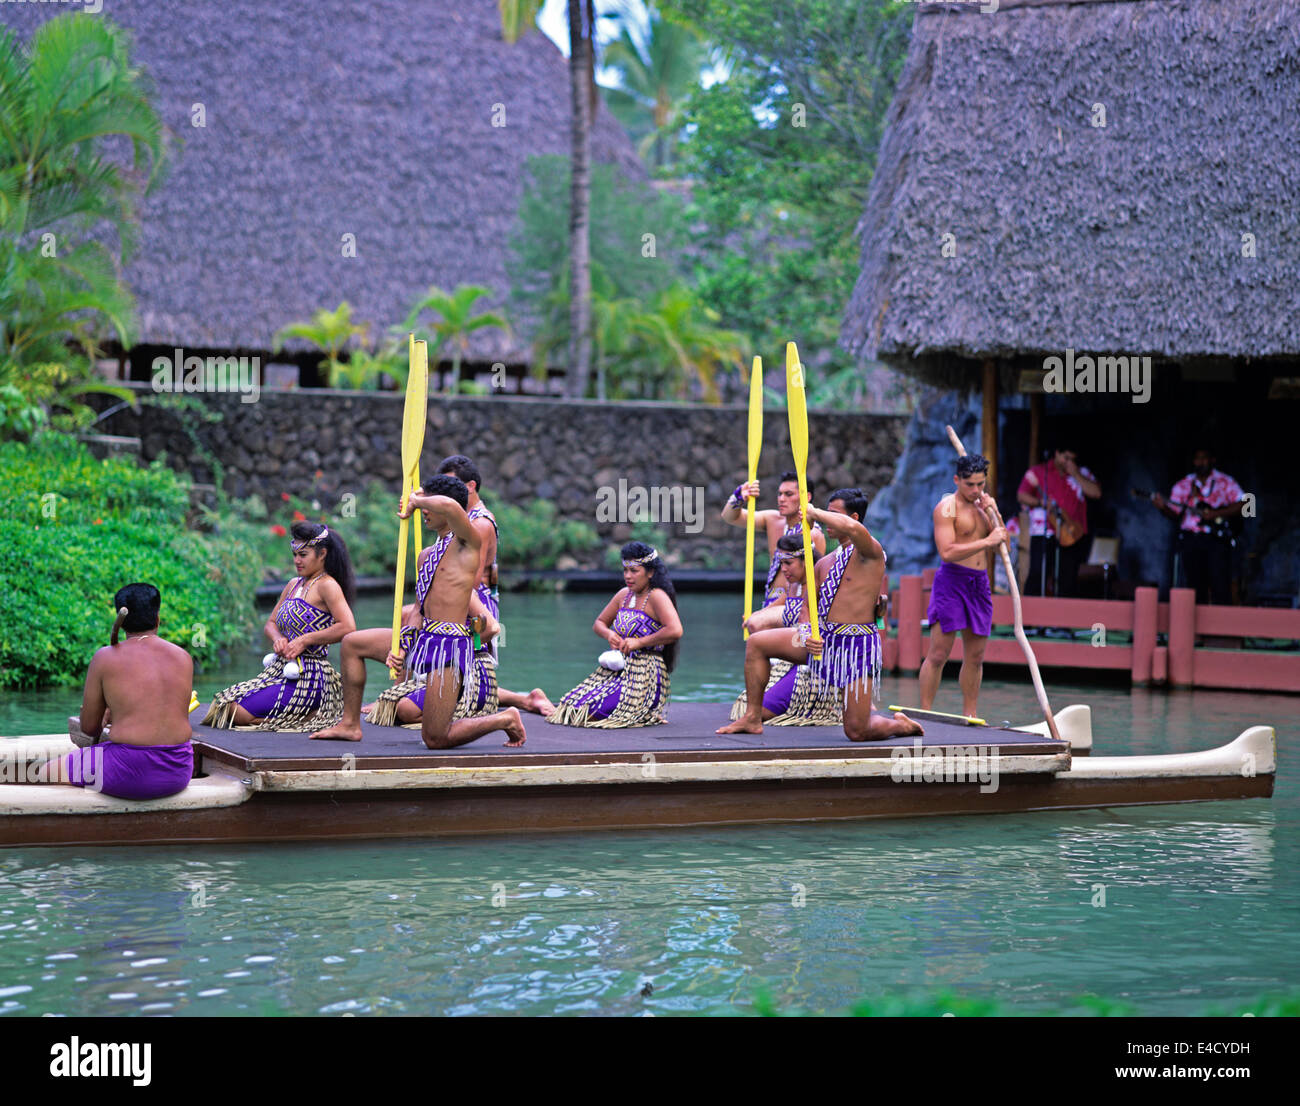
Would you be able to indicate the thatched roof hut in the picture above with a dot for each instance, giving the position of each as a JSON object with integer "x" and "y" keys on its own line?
{"x": 1099, "y": 165}
{"x": 328, "y": 119}
{"x": 1109, "y": 177}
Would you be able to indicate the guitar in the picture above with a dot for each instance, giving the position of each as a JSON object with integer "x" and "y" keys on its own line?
{"x": 1067, "y": 530}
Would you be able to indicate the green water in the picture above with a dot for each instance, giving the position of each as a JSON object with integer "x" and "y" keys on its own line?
{"x": 1201, "y": 901}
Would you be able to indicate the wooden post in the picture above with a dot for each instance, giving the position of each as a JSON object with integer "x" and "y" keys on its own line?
{"x": 1145, "y": 608}
{"x": 1182, "y": 636}
{"x": 910, "y": 613}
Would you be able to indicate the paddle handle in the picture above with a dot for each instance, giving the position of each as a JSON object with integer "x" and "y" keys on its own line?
{"x": 122, "y": 612}
{"x": 995, "y": 520}
{"x": 400, "y": 586}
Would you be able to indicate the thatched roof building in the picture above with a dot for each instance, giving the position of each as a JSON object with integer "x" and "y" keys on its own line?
{"x": 1116, "y": 178}
{"x": 1104, "y": 167}
{"x": 328, "y": 119}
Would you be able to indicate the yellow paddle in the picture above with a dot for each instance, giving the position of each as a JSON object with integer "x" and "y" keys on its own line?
{"x": 414, "y": 413}
{"x": 755, "y": 448}
{"x": 798, "y": 409}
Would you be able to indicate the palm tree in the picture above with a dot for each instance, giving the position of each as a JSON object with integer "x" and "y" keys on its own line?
{"x": 517, "y": 18}
{"x": 456, "y": 324}
{"x": 71, "y": 87}
{"x": 684, "y": 345}
{"x": 330, "y": 331}
{"x": 658, "y": 69}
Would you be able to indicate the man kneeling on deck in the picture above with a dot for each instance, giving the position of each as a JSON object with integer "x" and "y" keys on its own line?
{"x": 142, "y": 684}
{"x": 443, "y": 648}
{"x": 847, "y": 659}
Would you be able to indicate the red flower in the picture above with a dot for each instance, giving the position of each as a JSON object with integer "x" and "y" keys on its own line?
{"x": 99, "y": 522}
{"x": 298, "y": 516}
{"x": 284, "y": 496}
{"x": 278, "y": 530}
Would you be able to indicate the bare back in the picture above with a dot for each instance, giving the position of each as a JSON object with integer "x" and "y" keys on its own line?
{"x": 145, "y": 682}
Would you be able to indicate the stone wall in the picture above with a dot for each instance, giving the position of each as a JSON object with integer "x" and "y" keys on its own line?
{"x": 562, "y": 451}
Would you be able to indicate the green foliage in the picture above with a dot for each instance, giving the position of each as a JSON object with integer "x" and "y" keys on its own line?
{"x": 454, "y": 323}
{"x": 781, "y": 154}
{"x": 652, "y": 337}
{"x": 535, "y": 538}
{"x": 330, "y": 331}
{"x": 367, "y": 523}
{"x": 75, "y": 529}
{"x": 61, "y": 95}
{"x": 621, "y": 212}
{"x": 658, "y": 62}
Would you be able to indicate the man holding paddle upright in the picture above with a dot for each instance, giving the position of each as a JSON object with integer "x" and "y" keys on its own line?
{"x": 848, "y": 659}
{"x": 960, "y": 599}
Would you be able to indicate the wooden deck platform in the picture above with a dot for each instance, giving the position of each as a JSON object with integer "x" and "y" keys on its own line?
{"x": 687, "y": 737}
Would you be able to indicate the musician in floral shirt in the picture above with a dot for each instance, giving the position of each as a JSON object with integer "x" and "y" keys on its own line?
{"x": 1202, "y": 503}
{"x": 1057, "y": 493}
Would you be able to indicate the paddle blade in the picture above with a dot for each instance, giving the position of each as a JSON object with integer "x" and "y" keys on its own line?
{"x": 415, "y": 410}
{"x": 755, "y": 416}
{"x": 797, "y": 407}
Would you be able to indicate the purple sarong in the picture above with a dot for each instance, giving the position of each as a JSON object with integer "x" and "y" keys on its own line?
{"x": 961, "y": 600}
{"x": 131, "y": 771}
{"x": 777, "y": 697}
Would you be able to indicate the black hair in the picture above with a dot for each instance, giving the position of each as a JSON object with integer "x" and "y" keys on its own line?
{"x": 790, "y": 474}
{"x": 337, "y": 562}
{"x": 634, "y": 551}
{"x": 855, "y": 501}
{"x": 141, "y": 602}
{"x": 461, "y": 467}
{"x": 971, "y": 464}
{"x": 453, "y": 487}
{"x": 790, "y": 543}
{"x": 1205, "y": 447}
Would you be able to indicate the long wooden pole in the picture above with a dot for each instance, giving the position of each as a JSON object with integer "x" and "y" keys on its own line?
{"x": 995, "y": 520}
{"x": 755, "y": 448}
{"x": 797, "y": 406}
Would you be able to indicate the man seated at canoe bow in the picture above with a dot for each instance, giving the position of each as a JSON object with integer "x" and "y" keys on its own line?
{"x": 848, "y": 656}
{"x": 143, "y": 685}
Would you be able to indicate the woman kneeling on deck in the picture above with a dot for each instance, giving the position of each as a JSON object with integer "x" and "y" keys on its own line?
{"x": 641, "y": 623}
{"x": 299, "y": 690}
{"x": 794, "y": 696}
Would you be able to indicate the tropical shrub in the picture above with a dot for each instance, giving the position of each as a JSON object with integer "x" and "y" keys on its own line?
{"x": 73, "y": 529}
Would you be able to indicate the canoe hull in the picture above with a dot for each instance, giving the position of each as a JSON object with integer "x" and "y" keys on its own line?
{"x": 274, "y": 816}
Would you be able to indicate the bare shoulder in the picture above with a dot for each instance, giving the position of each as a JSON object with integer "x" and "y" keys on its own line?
{"x": 175, "y": 651}
{"x": 659, "y": 603}
{"x": 947, "y": 506}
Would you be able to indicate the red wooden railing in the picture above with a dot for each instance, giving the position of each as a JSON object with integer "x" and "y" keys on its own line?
{"x": 1180, "y": 662}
